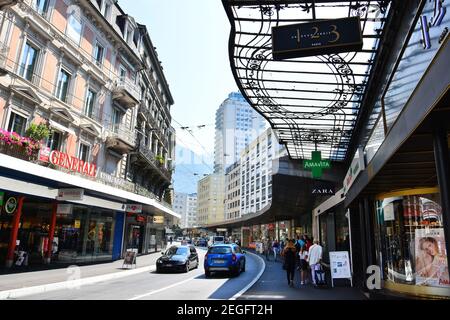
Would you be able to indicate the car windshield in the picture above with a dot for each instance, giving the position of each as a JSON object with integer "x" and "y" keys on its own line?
{"x": 177, "y": 251}
{"x": 220, "y": 250}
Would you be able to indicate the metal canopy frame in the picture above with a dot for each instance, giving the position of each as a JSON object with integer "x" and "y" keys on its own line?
{"x": 312, "y": 103}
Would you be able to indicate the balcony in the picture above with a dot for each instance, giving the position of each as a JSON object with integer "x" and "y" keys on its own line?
{"x": 125, "y": 93}
{"x": 120, "y": 139}
{"x": 151, "y": 159}
{"x": 143, "y": 110}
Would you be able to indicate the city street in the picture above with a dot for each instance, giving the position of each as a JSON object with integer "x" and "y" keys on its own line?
{"x": 299, "y": 147}
{"x": 164, "y": 286}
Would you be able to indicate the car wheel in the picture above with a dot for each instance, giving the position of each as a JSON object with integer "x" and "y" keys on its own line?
{"x": 238, "y": 270}
{"x": 158, "y": 270}
{"x": 187, "y": 267}
{"x": 243, "y": 267}
{"x": 207, "y": 274}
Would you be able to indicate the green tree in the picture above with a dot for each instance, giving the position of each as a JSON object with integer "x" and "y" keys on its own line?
{"x": 38, "y": 132}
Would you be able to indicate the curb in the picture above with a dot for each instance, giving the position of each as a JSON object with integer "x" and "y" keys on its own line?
{"x": 70, "y": 284}
{"x": 240, "y": 293}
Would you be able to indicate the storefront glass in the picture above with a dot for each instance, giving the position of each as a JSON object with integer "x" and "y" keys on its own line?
{"x": 342, "y": 234}
{"x": 410, "y": 239}
{"x": 86, "y": 234}
{"x": 82, "y": 234}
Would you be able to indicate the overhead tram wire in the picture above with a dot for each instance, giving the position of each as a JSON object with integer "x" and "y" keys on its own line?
{"x": 203, "y": 147}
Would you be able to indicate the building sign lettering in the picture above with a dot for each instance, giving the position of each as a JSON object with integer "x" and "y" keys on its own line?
{"x": 317, "y": 164}
{"x": 316, "y": 38}
{"x": 72, "y": 163}
{"x": 322, "y": 191}
{"x": 11, "y": 205}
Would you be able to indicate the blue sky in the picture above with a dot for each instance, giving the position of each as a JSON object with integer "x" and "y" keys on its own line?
{"x": 191, "y": 38}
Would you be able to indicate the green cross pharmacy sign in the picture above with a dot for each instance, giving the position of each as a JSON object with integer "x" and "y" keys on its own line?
{"x": 317, "y": 164}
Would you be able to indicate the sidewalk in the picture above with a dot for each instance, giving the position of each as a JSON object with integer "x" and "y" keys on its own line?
{"x": 273, "y": 285}
{"x": 39, "y": 278}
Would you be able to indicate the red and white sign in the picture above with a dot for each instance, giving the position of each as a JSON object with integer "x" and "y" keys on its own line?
{"x": 44, "y": 154}
{"x": 72, "y": 163}
{"x": 133, "y": 208}
{"x": 140, "y": 218}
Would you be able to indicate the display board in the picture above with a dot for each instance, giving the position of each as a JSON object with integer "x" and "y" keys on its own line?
{"x": 340, "y": 266}
{"x": 130, "y": 258}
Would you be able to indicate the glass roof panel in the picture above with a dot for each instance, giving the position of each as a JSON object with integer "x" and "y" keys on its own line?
{"x": 312, "y": 102}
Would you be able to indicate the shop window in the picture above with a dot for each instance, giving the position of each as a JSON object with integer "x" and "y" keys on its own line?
{"x": 83, "y": 152}
{"x": 41, "y": 6}
{"x": 122, "y": 73}
{"x": 28, "y": 62}
{"x": 90, "y": 102}
{"x": 63, "y": 85}
{"x": 74, "y": 27}
{"x": 17, "y": 124}
{"x": 410, "y": 240}
{"x": 55, "y": 140}
{"x": 98, "y": 54}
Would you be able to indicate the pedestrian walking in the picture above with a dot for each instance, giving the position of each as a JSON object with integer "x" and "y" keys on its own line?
{"x": 289, "y": 261}
{"x": 303, "y": 264}
{"x": 170, "y": 240}
{"x": 314, "y": 258}
{"x": 267, "y": 248}
{"x": 275, "y": 248}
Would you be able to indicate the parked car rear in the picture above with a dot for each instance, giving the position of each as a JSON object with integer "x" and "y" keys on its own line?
{"x": 224, "y": 258}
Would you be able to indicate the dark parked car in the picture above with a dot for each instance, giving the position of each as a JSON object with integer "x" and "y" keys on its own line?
{"x": 202, "y": 243}
{"x": 179, "y": 258}
{"x": 224, "y": 257}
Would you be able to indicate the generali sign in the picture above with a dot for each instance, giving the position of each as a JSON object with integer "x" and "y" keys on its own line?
{"x": 72, "y": 163}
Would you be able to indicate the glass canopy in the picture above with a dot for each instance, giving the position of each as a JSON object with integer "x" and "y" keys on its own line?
{"x": 312, "y": 102}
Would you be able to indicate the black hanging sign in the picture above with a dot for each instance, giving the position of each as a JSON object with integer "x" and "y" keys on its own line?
{"x": 316, "y": 38}
{"x": 323, "y": 188}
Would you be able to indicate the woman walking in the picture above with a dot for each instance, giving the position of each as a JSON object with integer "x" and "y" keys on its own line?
{"x": 303, "y": 267}
{"x": 288, "y": 254}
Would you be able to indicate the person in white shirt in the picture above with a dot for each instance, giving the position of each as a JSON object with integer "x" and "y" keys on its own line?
{"x": 314, "y": 258}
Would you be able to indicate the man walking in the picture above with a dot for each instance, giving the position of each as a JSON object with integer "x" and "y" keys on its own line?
{"x": 314, "y": 258}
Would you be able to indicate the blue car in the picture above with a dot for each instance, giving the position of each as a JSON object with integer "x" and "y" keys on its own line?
{"x": 224, "y": 257}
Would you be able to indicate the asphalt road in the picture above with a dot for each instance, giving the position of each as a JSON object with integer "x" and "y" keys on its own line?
{"x": 166, "y": 286}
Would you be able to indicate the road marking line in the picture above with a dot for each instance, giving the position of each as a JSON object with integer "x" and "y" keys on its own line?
{"x": 22, "y": 292}
{"x": 162, "y": 289}
{"x": 240, "y": 293}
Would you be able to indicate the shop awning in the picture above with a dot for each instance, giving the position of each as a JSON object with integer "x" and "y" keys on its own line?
{"x": 24, "y": 169}
{"x": 311, "y": 102}
{"x": 292, "y": 196}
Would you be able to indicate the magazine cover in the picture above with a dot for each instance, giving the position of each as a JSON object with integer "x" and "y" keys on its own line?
{"x": 431, "y": 258}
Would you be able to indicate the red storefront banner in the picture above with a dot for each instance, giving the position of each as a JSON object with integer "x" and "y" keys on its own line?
{"x": 72, "y": 163}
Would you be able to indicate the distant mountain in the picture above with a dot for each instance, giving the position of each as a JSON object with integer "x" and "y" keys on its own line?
{"x": 189, "y": 168}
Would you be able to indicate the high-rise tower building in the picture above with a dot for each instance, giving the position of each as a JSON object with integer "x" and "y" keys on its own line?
{"x": 237, "y": 124}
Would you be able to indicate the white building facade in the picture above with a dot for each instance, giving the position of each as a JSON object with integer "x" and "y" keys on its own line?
{"x": 186, "y": 206}
{"x": 256, "y": 172}
{"x": 233, "y": 191}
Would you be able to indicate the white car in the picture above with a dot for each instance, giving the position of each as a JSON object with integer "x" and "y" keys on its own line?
{"x": 218, "y": 240}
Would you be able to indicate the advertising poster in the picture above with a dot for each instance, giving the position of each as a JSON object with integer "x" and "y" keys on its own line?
{"x": 340, "y": 265}
{"x": 431, "y": 258}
